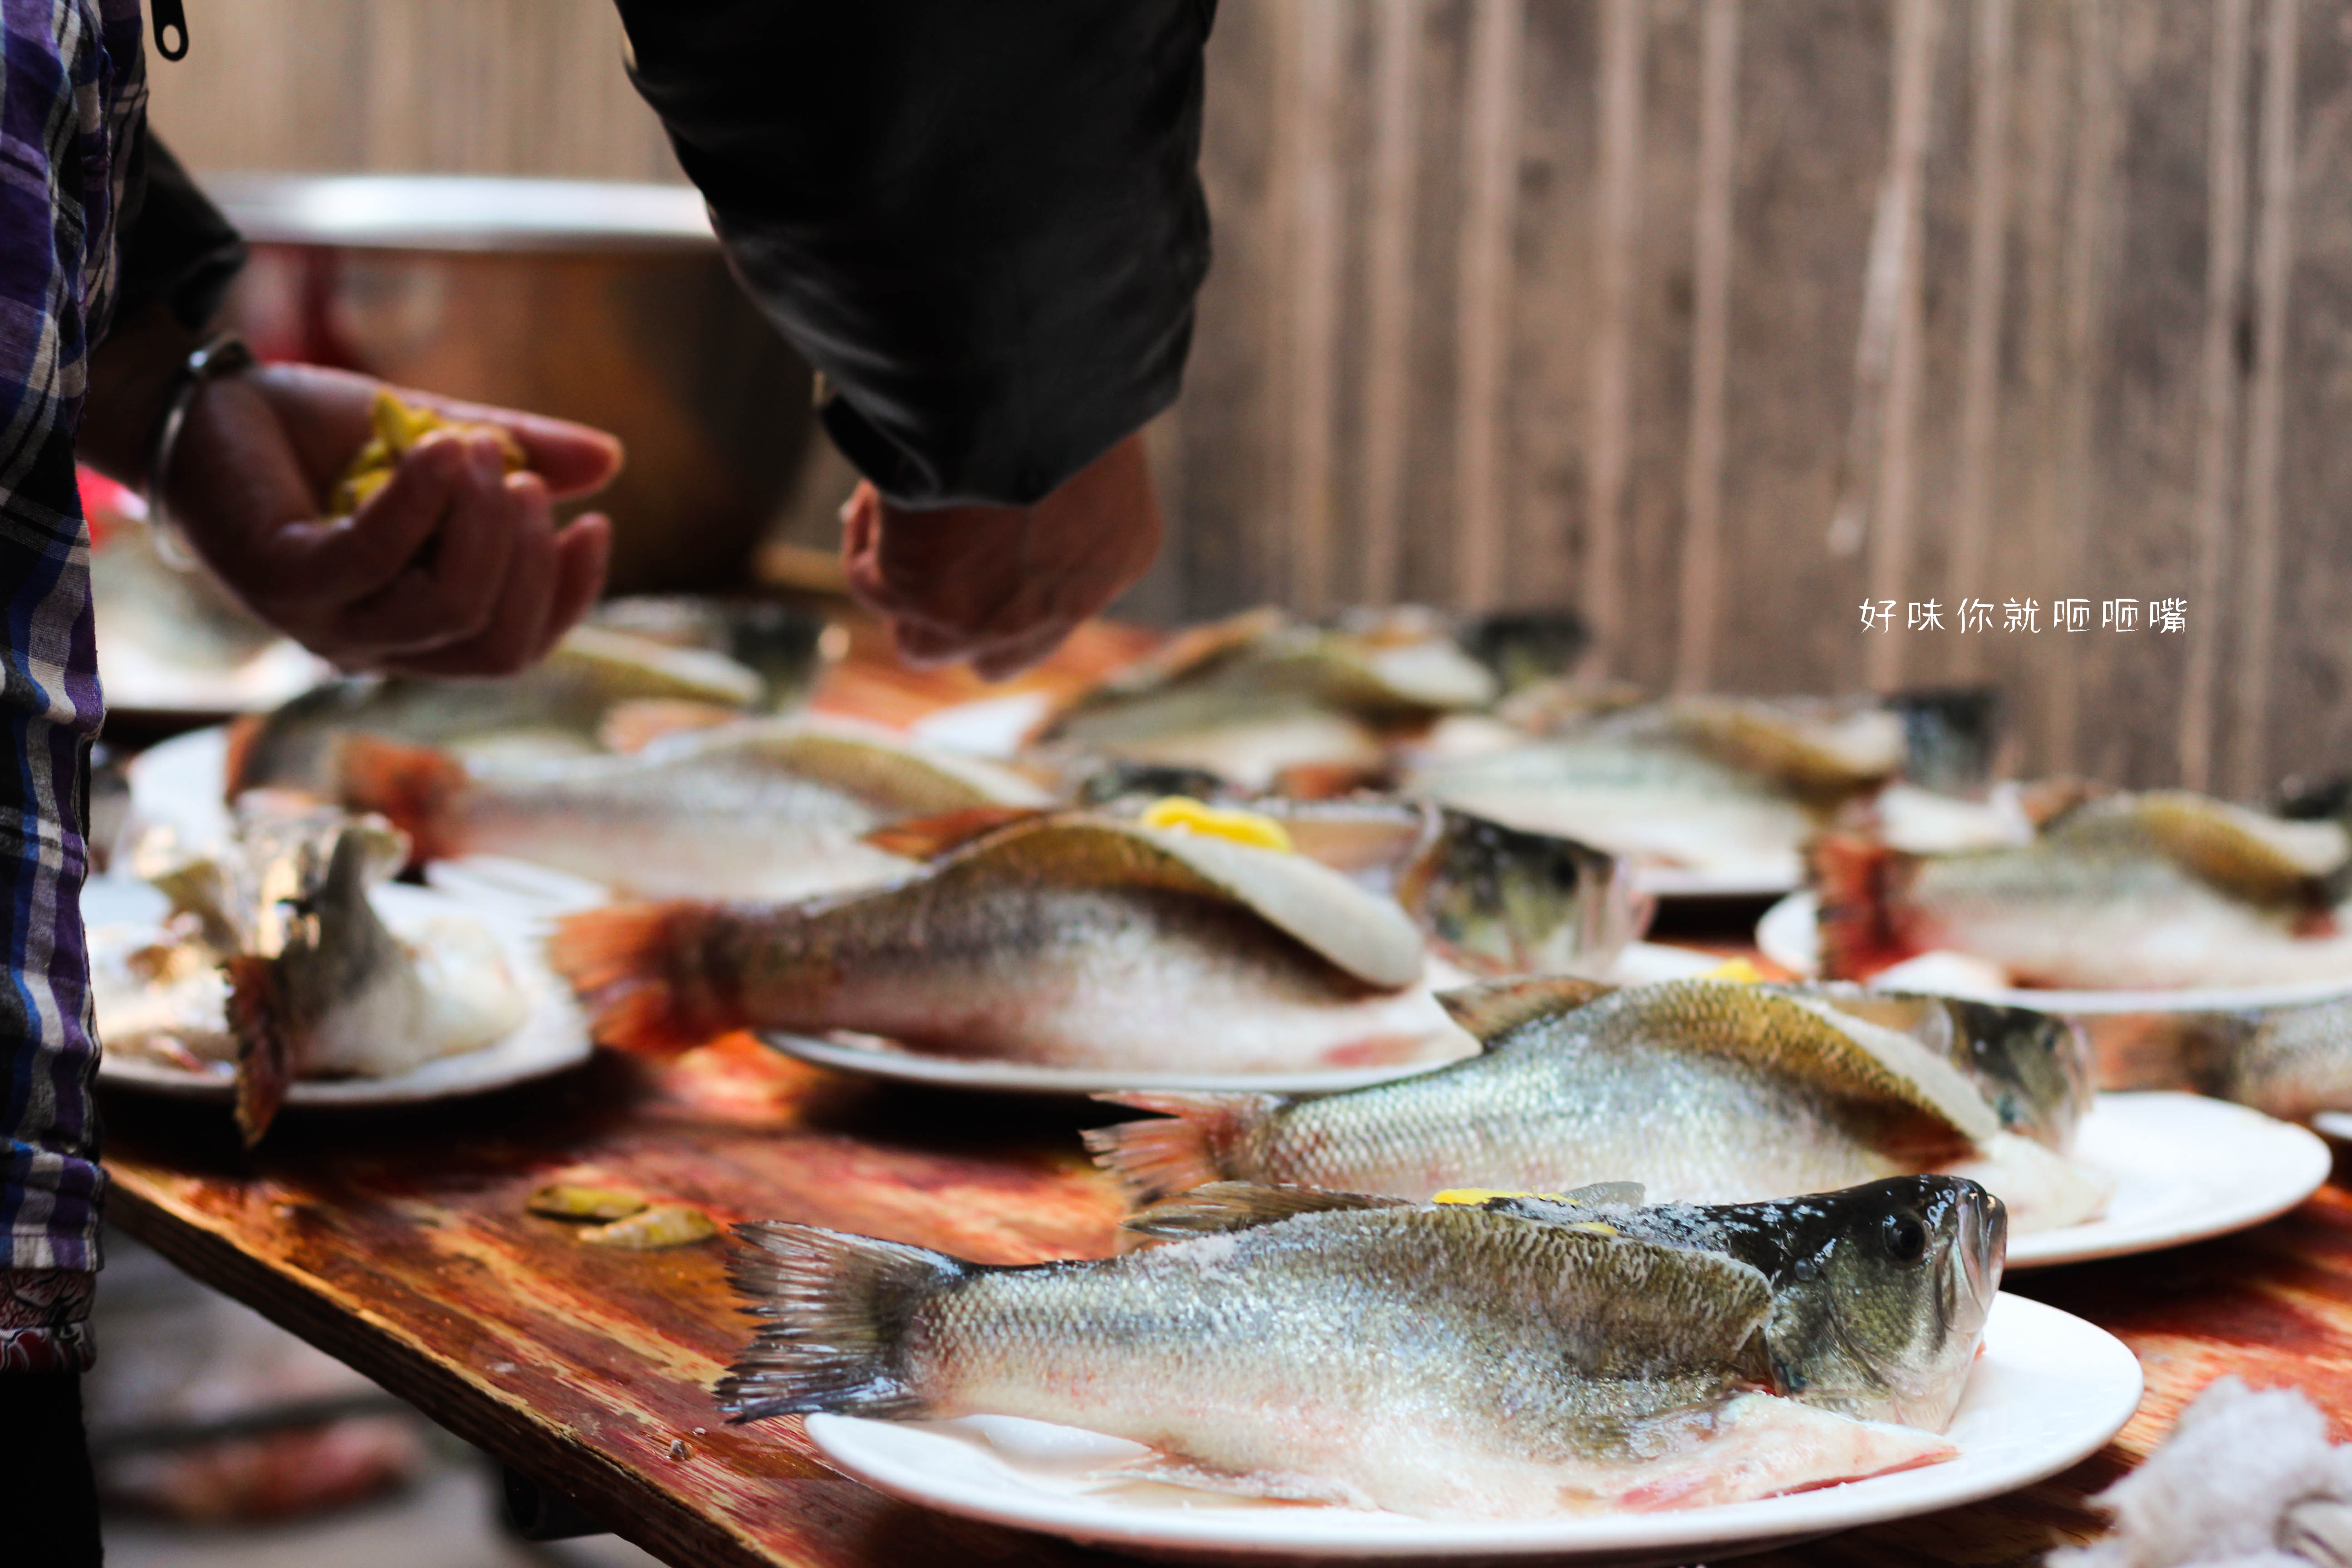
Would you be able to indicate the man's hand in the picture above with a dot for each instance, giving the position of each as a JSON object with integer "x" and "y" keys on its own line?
{"x": 453, "y": 567}
{"x": 1002, "y": 585}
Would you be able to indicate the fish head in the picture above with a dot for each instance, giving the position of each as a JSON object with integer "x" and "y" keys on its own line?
{"x": 1880, "y": 1299}
{"x": 1499, "y": 900}
{"x": 2035, "y": 1068}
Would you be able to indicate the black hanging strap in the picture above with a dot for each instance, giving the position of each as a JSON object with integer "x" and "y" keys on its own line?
{"x": 171, "y": 28}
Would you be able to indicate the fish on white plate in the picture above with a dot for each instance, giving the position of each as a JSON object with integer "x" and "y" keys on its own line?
{"x": 276, "y": 963}
{"x": 1513, "y": 1357}
{"x": 1726, "y": 784}
{"x": 767, "y": 809}
{"x": 2159, "y": 891}
{"x": 1253, "y": 697}
{"x": 559, "y": 707}
{"x": 1065, "y": 940}
{"x": 1703, "y": 1091}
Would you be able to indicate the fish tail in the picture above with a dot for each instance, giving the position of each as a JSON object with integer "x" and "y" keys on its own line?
{"x": 647, "y": 972}
{"x": 415, "y": 787}
{"x": 1194, "y": 1141}
{"x": 264, "y": 1054}
{"x": 840, "y": 1308}
{"x": 1858, "y": 931}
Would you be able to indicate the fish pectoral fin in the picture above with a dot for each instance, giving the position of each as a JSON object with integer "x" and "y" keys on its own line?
{"x": 1194, "y": 1475}
{"x": 1490, "y": 1011}
{"x": 1765, "y": 1446}
{"x": 1223, "y": 1207}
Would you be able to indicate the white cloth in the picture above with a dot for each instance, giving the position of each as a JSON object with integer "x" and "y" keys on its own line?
{"x": 2248, "y": 1480}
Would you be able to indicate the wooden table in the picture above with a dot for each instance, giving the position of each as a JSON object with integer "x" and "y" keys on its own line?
{"x": 399, "y": 1243}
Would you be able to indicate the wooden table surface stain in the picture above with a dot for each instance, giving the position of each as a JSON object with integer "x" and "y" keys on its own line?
{"x": 399, "y": 1242}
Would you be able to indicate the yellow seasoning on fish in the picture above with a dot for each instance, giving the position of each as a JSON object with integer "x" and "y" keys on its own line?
{"x": 1181, "y": 814}
{"x": 1478, "y": 1197}
{"x": 566, "y": 1200}
{"x": 399, "y": 427}
{"x": 664, "y": 1224}
{"x": 1487, "y": 1195}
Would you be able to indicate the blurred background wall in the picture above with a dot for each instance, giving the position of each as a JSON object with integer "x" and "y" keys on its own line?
{"x": 1711, "y": 318}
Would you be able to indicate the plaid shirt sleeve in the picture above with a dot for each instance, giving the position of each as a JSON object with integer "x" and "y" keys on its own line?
{"x": 72, "y": 97}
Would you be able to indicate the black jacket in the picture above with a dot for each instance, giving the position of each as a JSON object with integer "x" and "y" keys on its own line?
{"x": 980, "y": 220}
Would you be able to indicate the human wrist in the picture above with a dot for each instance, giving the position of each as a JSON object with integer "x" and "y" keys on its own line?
{"x": 131, "y": 377}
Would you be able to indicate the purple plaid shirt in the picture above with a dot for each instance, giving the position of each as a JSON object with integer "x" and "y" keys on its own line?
{"x": 73, "y": 94}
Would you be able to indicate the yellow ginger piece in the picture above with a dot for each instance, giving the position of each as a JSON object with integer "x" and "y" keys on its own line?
{"x": 664, "y": 1224}
{"x": 567, "y": 1200}
{"x": 1181, "y": 814}
{"x": 1737, "y": 969}
{"x": 1488, "y": 1195}
{"x": 398, "y": 427}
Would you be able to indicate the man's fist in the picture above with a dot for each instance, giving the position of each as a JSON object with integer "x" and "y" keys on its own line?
{"x": 1002, "y": 585}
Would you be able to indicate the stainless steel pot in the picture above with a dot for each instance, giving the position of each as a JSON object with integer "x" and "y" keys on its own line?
{"x": 606, "y": 303}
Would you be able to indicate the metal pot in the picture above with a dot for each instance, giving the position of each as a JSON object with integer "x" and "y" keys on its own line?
{"x": 606, "y": 303}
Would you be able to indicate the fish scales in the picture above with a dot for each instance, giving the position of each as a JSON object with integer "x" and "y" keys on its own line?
{"x": 1579, "y": 1342}
{"x": 1590, "y": 1096}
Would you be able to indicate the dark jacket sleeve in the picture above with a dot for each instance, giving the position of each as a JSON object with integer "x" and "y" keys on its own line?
{"x": 174, "y": 244}
{"x": 980, "y": 220}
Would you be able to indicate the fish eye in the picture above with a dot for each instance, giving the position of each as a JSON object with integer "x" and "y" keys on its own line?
{"x": 1906, "y": 1238}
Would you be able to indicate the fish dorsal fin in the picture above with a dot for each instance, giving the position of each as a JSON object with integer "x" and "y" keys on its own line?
{"x": 1809, "y": 1038}
{"x": 1492, "y": 1010}
{"x": 1357, "y": 932}
{"x": 1223, "y": 1207}
{"x": 2257, "y": 857}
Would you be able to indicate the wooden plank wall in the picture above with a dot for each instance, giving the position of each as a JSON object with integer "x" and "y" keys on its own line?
{"x": 1711, "y": 318}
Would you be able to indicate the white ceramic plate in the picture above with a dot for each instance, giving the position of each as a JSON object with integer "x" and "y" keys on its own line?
{"x": 177, "y": 784}
{"x": 553, "y": 1035}
{"x": 1787, "y": 935}
{"x": 136, "y": 681}
{"x": 2186, "y": 1168}
{"x": 2335, "y": 1124}
{"x": 2049, "y": 1389}
{"x": 879, "y": 1058}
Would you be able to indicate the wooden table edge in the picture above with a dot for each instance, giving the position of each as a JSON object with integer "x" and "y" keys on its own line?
{"x": 323, "y": 1316}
